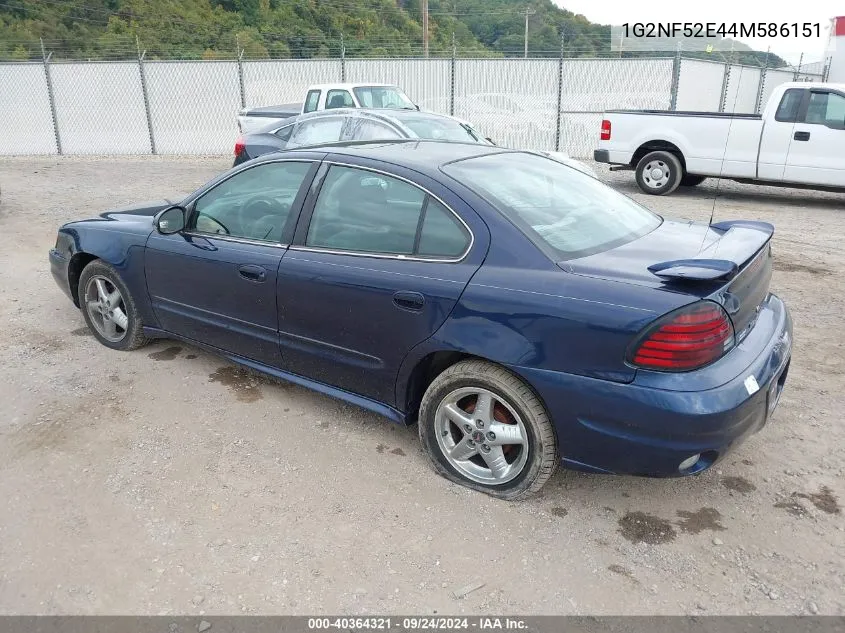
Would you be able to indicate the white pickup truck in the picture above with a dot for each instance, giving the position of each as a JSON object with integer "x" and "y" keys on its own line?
{"x": 327, "y": 97}
{"x": 798, "y": 141}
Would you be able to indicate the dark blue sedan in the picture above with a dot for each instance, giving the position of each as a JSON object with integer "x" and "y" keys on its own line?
{"x": 523, "y": 313}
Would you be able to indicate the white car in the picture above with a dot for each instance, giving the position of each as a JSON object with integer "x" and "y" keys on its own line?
{"x": 797, "y": 141}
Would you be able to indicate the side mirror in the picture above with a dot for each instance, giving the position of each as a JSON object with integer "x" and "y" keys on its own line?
{"x": 171, "y": 220}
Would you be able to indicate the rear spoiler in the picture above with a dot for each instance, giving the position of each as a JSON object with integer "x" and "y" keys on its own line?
{"x": 723, "y": 258}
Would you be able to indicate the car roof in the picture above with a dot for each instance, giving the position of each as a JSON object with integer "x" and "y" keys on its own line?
{"x": 420, "y": 155}
{"x": 348, "y": 86}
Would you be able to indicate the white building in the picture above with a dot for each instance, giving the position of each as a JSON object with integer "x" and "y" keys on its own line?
{"x": 836, "y": 50}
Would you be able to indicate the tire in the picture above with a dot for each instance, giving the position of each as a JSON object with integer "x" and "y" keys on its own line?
{"x": 516, "y": 409}
{"x": 690, "y": 180}
{"x": 128, "y": 334}
{"x": 659, "y": 173}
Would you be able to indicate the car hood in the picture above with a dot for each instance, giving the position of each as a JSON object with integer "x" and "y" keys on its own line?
{"x": 134, "y": 212}
{"x": 672, "y": 240}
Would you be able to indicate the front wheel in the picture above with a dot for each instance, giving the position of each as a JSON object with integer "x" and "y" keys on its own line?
{"x": 659, "y": 173}
{"x": 108, "y": 308}
{"x": 486, "y": 429}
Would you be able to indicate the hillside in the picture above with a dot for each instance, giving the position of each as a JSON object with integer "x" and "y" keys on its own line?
{"x": 167, "y": 29}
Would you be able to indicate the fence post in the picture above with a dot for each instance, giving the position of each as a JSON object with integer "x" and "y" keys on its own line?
{"x": 50, "y": 95}
{"x": 798, "y": 69}
{"x": 826, "y": 70}
{"x": 761, "y": 86}
{"x": 146, "y": 95}
{"x": 452, "y": 73}
{"x": 676, "y": 79}
{"x": 342, "y": 60}
{"x": 241, "y": 86}
{"x": 559, "y": 93}
{"x": 726, "y": 78}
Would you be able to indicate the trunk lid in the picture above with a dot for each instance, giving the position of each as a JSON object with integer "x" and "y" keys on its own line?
{"x": 728, "y": 262}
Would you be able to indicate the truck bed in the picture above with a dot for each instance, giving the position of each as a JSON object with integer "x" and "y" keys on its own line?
{"x": 680, "y": 113}
{"x": 283, "y": 111}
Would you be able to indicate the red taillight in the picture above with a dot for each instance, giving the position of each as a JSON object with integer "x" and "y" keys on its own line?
{"x": 605, "y": 130}
{"x": 240, "y": 146}
{"x": 686, "y": 339}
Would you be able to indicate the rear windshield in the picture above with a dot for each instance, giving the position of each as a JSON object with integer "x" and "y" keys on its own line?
{"x": 568, "y": 214}
{"x": 440, "y": 129}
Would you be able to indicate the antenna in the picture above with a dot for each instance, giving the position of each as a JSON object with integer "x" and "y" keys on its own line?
{"x": 727, "y": 140}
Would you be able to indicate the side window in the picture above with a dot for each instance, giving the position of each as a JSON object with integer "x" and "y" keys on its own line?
{"x": 339, "y": 99}
{"x": 787, "y": 111}
{"x": 359, "y": 210}
{"x": 367, "y": 212}
{"x": 360, "y": 129}
{"x": 253, "y": 204}
{"x": 826, "y": 108}
{"x": 442, "y": 234}
{"x": 322, "y": 130}
{"x": 311, "y": 101}
{"x": 284, "y": 132}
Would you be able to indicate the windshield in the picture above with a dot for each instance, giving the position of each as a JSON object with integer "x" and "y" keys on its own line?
{"x": 383, "y": 97}
{"x": 440, "y": 129}
{"x": 565, "y": 212}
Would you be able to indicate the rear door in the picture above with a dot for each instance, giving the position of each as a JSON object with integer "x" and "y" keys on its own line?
{"x": 816, "y": 153}
{"x": 216, "y": 281}
{"x": 777, "y": 135}
{"x": 379, "y": 261}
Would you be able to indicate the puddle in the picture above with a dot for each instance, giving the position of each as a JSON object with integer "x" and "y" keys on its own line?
{"x": 242, "y": 382}
{"x": 697, "y": 522}
{"x": 168, "y": 353}
{"x": 639, "y": 527}
{"x": 738, "y": 484}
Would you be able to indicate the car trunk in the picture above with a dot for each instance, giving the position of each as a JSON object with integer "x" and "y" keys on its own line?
{"x": 729, "y": 263}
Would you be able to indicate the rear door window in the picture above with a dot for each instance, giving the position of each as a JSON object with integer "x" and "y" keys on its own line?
{"x": 789, "y": 105}
{"x": 360, "y": 211}
{"x": 311, "y": 101}
{"x": 320, "y": 130}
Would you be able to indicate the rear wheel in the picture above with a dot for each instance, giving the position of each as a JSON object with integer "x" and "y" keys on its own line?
{"x": 659, "y": 173}
{"x": 486, "y": 429}
{"x": 689, "y": 180}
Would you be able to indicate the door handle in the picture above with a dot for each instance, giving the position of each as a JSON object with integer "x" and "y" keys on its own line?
{"x": 407, "y": 300}
{"x": 802, "y": 136}
{"x": 252, "y": 272}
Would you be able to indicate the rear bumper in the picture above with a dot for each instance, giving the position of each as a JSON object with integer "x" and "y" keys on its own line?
{"x": 59, "y": 269}
{"x": 601, "y": 156}
{"x": 612, "y": 157}
{"x": 648, "y": 427}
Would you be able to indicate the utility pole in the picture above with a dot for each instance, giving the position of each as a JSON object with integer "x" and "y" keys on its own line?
{"x": 527, "y": 12}
{"x": 424, "y": 8}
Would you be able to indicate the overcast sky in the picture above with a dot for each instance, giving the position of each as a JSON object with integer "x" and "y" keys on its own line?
{"x": 718, "y": 11}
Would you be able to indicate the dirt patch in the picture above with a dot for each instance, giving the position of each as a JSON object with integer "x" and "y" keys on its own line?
{"x": 623, "y": 571}
{"x": 823, "y": 500}
{"x": 398, "y": 451}
{"x": 700, "y": 520}
{"x": 242, "y": 382}
{"x": 738, "y": 484}
{"x": 792, "y": 507}
{"x": 168, "y": 353}
{"x": 639, "y": 527}
{"x": 81, "y": 331}
{"x": 380, "y": 448}
{"x": 559, "y": 512}
{"x": 789, "y": 266}
{"x": 191, "y": 356}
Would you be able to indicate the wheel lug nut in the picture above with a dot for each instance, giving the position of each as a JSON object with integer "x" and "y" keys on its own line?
{"x": 491, "y": 436}
{"x": 485, "y": 448}
{"x": 467, "y": 428}
{"x": 470, "y": 443}
{"x": 479, "y": 424}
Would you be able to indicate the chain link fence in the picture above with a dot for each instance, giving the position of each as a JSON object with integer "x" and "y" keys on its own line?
{"x": 190, "y": 107}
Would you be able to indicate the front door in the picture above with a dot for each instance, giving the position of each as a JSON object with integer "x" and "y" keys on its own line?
{"x": 216, "y": 281}
{"x": 377, "y": 266}
{"x": 777, "y": 135}
{"x": 816, "y": 155}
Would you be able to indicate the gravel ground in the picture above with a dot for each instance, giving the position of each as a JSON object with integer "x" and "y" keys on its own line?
{"x": 166, "y": 481}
